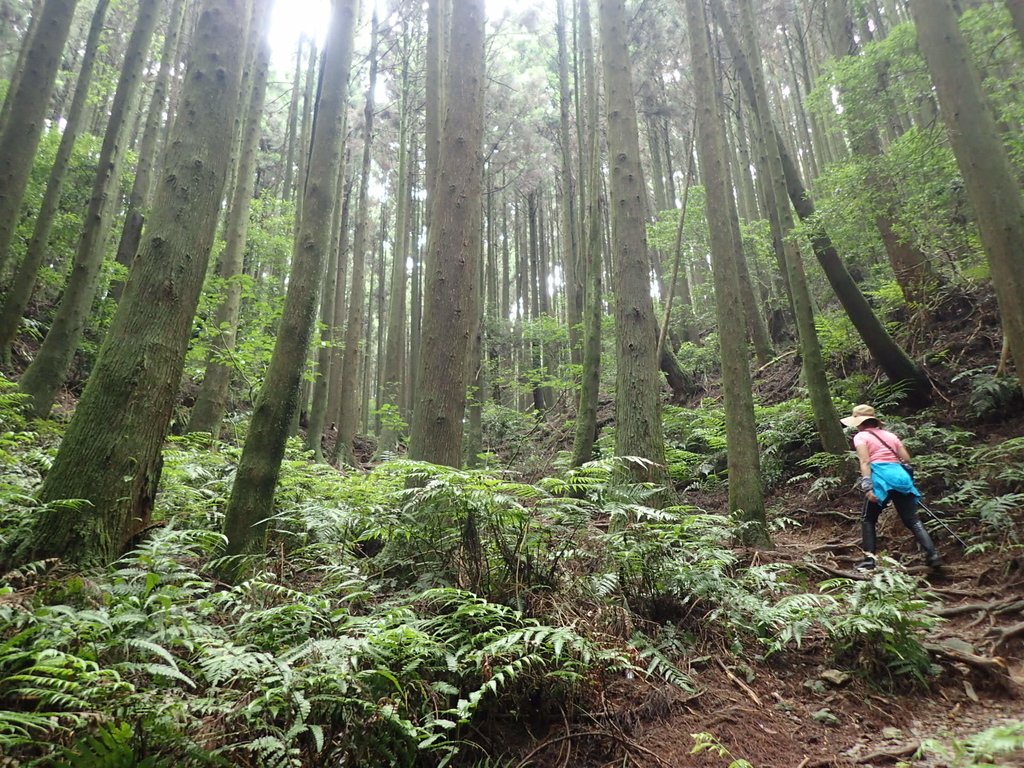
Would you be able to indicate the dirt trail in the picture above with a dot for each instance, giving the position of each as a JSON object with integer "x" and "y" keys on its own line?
{"x": 794, "y": 711}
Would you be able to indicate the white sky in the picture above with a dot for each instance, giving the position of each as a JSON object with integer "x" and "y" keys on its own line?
{"x": 311, "y": 17}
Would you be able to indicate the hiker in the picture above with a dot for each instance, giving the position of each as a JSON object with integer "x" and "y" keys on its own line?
{"x": 885, "y": 476}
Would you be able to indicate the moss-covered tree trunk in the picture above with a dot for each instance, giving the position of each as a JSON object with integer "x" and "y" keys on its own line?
{"x": 252, "y": 495}
{"x": 637, "y": 385}
{"x": 988, "y": 175}
{"x": 43, "y": 379}
{"x": 25, "y": 112}
{"x": 746, "y": 498}
{"x": 212, "y": 401}
{"x": 111, "y": 453}
{"x": 453, "y": 248}
{"x": 20, "y": 292}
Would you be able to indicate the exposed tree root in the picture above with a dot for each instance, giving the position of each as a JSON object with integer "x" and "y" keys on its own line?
{"x": 992, "y": 666}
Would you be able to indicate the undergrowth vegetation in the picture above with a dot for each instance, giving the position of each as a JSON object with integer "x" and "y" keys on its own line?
{"x": 406, "y": 616}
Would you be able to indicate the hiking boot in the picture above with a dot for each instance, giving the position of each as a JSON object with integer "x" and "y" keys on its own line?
{"x": 867, "y": 564}
{"x": 932, "y": 560}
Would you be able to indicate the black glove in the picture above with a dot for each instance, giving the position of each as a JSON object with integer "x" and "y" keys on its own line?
{"x": 864, "y": 485}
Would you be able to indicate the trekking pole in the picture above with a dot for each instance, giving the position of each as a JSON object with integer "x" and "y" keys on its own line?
{"x": 940, "y": 521}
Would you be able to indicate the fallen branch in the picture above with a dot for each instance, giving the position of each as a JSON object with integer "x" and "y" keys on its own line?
{"x": 746, "y": 688}
{"x": 896, "y": 753}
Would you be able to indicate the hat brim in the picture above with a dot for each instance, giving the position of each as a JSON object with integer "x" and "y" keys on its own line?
{"x": 856, "y": 421}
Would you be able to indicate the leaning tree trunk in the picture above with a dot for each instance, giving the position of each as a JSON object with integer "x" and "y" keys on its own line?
{"x": 746, "y": 496}
{"x": 453, "y": 248}
{"x": 24, "y": 282}
{"x": 25, "y": 109}
{"x": 111, "y": 452}
{"x": 883, "y": 348}
{"x": 988, "y": 175}
{"x": 637, "y": 386}
{"x": 43, "y": 379}
{"x": 212, "y": 401}
{"x": 252, "y": 495}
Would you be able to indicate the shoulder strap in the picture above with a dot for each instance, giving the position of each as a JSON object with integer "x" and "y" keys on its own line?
{"x": 879, "y": 438}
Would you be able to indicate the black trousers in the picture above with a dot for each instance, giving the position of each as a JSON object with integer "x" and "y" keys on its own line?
{"x": 906, "y": 507}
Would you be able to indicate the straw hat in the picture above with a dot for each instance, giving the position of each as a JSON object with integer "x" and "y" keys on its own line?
{"x": 861, "y": 413}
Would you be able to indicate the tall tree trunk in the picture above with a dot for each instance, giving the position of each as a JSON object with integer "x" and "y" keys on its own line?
{"x": 45, "y": 376}
{"x": 131, "y": 232}
{"x": 252, "y": 495}
{"x": 590, "y": 383}
{"x": 449, "y": 316}
{"x": 637, "y": 386}
{"x": 34, "y": 18}
{"x": 340, "y": 308}
{"x": 746, "y": 499}
{"x": 826, "y": 418}
{"x": 350, "y": 391}
{"x": 25, "y": 106}
{"x": 886, "y": 352}
{"x": 111, "y": 452}
{"x": 570, "y": 225}
{"x": 212, "y": 401}
{"x": 393, "y": 379}
{"x": 988, "y": 175}
{"x": 24, "y": 282}
{"x": 292, "y": 126}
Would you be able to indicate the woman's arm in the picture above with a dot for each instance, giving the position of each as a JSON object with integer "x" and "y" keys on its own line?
{"x": 865, "y": 461}
{"x": 865, "y": 467}
{"x": 903, "y": 452}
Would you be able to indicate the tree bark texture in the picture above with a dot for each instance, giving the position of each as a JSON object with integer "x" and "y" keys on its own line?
{"x": 982, "y": 158}
{"x": 212, "y": 401}
{"x": 637, "y": 386}
{"x": 45, "y": 376}
{"x": 746, "y": 498}
{"x": 25, "y": 279}
{"x": 25, "y": 108}
{"x": 453, "y": 249}
{"x": 111, "y": 453}
{"x": 252, "y": 495}
{"x": 135, "y": 216}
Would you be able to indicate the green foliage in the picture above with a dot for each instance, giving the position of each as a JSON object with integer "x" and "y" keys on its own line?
{"x": 708, "y": 743}
{"x": 880, "y": 625}
{"x": 982, "y": 750}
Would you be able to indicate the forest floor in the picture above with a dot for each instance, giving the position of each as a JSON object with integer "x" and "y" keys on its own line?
{"x": 796, "y": 710}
